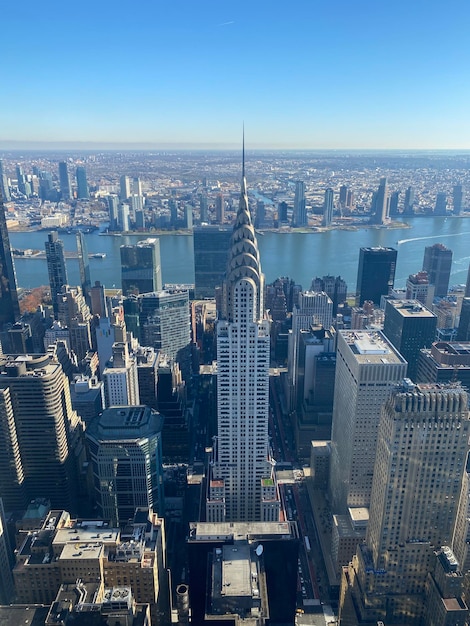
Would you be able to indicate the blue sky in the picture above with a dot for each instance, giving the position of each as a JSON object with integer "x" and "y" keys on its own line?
{"x": 299, "y": 73}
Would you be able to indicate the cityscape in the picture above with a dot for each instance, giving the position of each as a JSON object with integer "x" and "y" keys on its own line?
{"x": 233, "y": 449}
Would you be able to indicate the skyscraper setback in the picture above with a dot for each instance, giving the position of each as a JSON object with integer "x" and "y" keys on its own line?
{"x": 241, "y": 485}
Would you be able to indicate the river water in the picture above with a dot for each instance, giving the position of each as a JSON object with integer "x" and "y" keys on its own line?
{"x": 300, "y": 256}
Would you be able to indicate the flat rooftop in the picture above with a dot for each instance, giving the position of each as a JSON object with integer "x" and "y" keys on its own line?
{"x": 226, "y": 531}
{"x": 371, "y": 347}
{"x": 86, "y": 532}
{"x": 410, "y": 308}
{"x": 81, "y": 551}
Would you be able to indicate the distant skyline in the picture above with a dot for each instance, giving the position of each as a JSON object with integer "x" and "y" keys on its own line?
{"x": 301, "y": 75}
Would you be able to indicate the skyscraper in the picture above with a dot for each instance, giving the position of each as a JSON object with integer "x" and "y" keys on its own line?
{"x": 219, "y": 208}
{"x": 441, "y": 204}
{"x": 141, "y": 270}
{"x": 457, "y": 199}
{"x": 39, "y": 401}
{"x": 9, "y": 307}
{"x": 4, "y": 188}
{"x": 124, "y": 188}
{"x": 83, "y": 192}
{"x": 375, "y": 274}
{"x": 409, "y": 326}
{"x": 394, "y": 198}
{"x": 64, "y": 181}
{"x": 409, "y": 201}
{"x": 56, "y": 267}
{"x": 241, "y": 484}
{"x": 83, "y": 264}
{"x": 126, "y": 455}
{"x": 422, "y": 447}
{"x": 299, "y": 216}
{"x": 367, "y": 369}
{"x": 210, "y": 254}
{"x": 328, "y": 207}
{"x": 380, "y": 203}
{"x": 437, "y": 263}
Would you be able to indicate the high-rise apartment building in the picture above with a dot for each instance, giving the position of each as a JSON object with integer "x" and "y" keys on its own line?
{"x": 4, "y": 188}
{"x": 83, "y": 263}
{"x": 393, "y": 206}
{"x": 219, "y": 208}
{"x": 422, "y": 447}
{"x": 241, "y": 484}
{"x": 64, "y": 181}
{"x": 299, "y": 216}
{"x": 441, "y": 204}
{"x": 367, "y": 369}
{"x": 375, "y": 274}
{"x": 141, "y": 270}
{"x": 457, "y": 199}
{"x": 35, "y": 393}
{"x": 83, "y": 192}
{"x": 126, "y": 455}
{"x": 408, "y": 205}
{"x": 210, "y": 256}
{"x": 9, "y": 307}
{"x": 380, "y": 203}
{"x": 437, "y": 263}
{"x": 56, "y": 267}
{"x": 328, "y": 207}
{"x": 124, "y": 188}
{"x": 409, "y": 326}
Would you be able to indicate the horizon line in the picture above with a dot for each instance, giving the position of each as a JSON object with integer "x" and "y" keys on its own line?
{"x": 12, "y": 144}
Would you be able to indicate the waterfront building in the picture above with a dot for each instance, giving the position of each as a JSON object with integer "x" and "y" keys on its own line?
{"x": 124, "y": 188}
{"x": 35, "y": 393}
{"x": 141, "y": 270}
{"x": 395, "y": 575}
{"x": 437, "y": 262}
{"x": 457, "y": 199}
{"x": 241, "y": 486}
{"x": 83, "y": 264}
{"x": 328, "y": 207}
{"x": 4, "y": 187}
{"x": 64, "y": 182}
{"x": 219, "y": 209}
{"x": 393, "y": 208}
{"x": 380, "y": 204}
{"x": 408, "y": 205}
{"x": 9, "y": 307}
{"x": 56, "y": 267}
{"x": 367, "y": 369}
{"x": 343, "y": 195}
{"x": 83, "y": 193}
{"x": 113, "y": 210}
{"x": 299, "y": 216}
{"x": 210, "y": 253}
{"x": 126, "y": 455}
{"x": 375, "y": 274}
{"x": 441, "y": 204}
{"x": 409, "y": 326}
{"x": 123, "y": 217}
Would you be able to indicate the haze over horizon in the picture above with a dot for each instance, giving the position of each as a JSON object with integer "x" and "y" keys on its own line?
{"x": 337, "y": 75}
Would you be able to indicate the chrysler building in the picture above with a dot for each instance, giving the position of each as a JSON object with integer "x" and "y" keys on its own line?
{"x": 241, "y": 481}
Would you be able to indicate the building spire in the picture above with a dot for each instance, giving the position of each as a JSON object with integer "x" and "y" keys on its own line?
{"x": 243, "y": 258}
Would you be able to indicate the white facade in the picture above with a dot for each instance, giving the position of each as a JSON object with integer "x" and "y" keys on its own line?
{"x": 242, "y": 456}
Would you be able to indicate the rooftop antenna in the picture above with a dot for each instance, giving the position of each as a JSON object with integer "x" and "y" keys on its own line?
{"x": 243, "y": 152}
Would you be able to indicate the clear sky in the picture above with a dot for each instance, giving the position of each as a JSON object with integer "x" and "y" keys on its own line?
{"x": 299, "y": 73}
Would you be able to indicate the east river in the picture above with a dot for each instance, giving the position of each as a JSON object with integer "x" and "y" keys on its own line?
{"x": 300, "y": 256}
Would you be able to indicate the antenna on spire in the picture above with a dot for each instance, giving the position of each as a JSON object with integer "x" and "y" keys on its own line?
{"x": 243, "y": 152}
